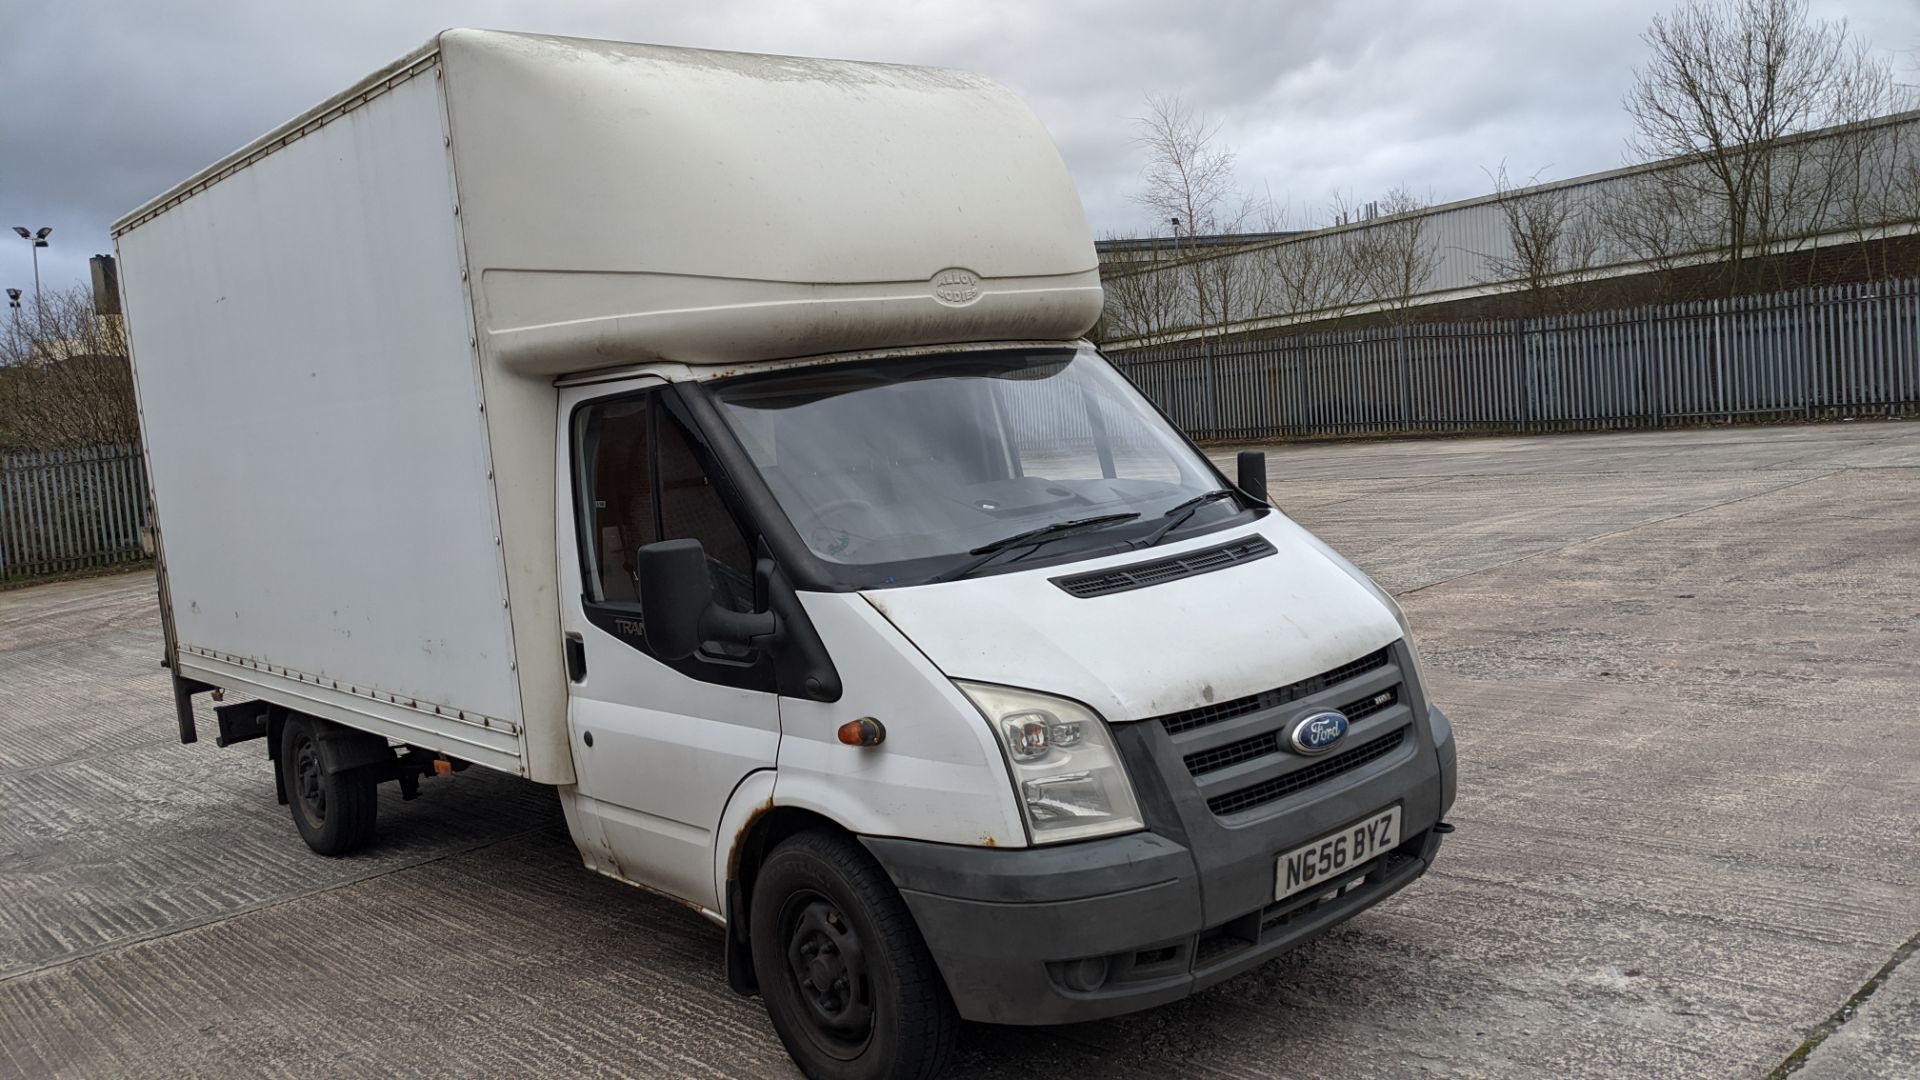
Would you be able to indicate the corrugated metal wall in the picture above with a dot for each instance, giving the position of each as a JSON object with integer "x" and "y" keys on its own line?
{"x": 1864, "y": 176}
{"x": 66, "y": 510}
{"x": 1838, "y": 351}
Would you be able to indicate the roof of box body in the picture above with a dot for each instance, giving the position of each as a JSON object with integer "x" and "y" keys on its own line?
{"x": 621, "y": 202}
{"x": 406, "y": 67}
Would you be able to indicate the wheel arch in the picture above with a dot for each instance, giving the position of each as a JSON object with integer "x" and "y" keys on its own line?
{"x": 767, "y": 827}
{"x": 754, "y": 825}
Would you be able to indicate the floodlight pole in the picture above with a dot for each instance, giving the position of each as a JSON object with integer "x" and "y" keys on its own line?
{"x": 37, "y": 238}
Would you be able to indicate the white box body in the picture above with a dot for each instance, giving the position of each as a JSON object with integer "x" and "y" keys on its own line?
{"x": 346, "y": 334}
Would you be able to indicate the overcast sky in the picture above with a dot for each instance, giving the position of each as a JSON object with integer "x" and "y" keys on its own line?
{"x": 103, "y": 105}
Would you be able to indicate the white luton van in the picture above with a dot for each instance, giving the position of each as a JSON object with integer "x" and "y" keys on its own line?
{"x": 713, "y": 437}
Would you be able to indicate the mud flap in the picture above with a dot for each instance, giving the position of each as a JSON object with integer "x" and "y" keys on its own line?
{"x": 343, "y": 748}
{"x": 739, "y": 957}
{"x": 183, "y": 691}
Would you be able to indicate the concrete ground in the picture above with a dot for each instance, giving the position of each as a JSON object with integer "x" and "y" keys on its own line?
{"x": 1683, "y": 667}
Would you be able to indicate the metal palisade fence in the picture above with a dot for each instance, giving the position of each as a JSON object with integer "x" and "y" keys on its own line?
{"x": 1850, "y": 350}
{"x": 64, "y": 510}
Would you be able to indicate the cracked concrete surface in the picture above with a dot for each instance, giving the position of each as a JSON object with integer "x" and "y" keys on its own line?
{"x": 1683, "y": 667}
{"x": 1875, "y": 1034}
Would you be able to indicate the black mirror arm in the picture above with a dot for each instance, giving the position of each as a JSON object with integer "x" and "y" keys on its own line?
{"x": 756, "y": 628}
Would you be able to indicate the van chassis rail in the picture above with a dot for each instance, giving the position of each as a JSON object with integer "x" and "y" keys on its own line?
{"x": 367, "y": 755}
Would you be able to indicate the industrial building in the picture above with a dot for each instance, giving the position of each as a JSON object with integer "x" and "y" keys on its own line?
{"x": 1837, "y": 205}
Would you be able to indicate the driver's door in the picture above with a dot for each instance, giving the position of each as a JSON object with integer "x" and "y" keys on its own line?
{"x": 658, "y": 745}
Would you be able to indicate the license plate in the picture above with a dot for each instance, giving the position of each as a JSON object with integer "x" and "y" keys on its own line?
{"x": 1336, "y": 853}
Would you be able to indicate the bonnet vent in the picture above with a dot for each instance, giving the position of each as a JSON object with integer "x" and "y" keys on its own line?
{"x": 1140, "y": 575}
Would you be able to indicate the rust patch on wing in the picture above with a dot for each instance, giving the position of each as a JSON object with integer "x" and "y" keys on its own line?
{"x": 740, "y": 836}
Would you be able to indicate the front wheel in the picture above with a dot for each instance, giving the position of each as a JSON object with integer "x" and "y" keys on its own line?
{"x": 849, "y": 984}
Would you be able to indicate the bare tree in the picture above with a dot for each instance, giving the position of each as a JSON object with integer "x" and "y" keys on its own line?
{"x": 1314, "y": 275}
{"x": 1317, "y": 275}
{"x": 1645, "y": 217}
{"x": 1552, "y": 239}
{"x": 1190, "y": 186}
{"x": 64, "y": 377}
{"x": 1899, "y": 196}
{"x": 1238, "y": 285}
{"x": 1144, "y": 301}
{"x": 1726, "y": 87}
{"x": 1871, "y": 171}
{"x": 1393, "y": 258}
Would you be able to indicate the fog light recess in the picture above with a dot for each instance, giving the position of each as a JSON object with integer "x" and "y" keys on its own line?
{"x": 1085, "y": 975}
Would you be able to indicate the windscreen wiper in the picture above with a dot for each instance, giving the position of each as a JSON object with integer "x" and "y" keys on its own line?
{"x": 1178, "y": 514}
{"x": 989, "y": 551}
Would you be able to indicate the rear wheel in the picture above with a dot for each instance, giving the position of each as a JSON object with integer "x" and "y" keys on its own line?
{"x": 849, "y": 984}
{"x": 333, "y": 811}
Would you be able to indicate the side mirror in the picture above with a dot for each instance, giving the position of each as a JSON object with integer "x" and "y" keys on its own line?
{"x": 1253, "y": 474}
{"x": 677, "y": 608}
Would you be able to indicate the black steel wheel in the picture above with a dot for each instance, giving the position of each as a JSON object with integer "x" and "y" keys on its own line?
{"x": 333, "y": 811}
{"x": 828, "y": 964}
{"x": 849, "y": 984}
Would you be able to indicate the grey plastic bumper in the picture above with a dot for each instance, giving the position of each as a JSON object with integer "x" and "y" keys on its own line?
{"x": 1021, "y": 934}
{"x": 1081, "y": 931}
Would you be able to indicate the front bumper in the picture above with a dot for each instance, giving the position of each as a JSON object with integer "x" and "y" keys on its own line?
{"x": 1081, "y": 931}
{"x": 1136, "y": 928}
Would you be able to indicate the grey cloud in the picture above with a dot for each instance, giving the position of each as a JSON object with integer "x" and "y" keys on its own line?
{"x": 104, "y": 105}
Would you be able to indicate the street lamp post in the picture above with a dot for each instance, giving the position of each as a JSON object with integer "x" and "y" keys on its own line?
{"x": 38, "y": 238}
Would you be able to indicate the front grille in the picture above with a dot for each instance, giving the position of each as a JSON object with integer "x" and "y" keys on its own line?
{"x": 1176, "y": 723}
{"x": 1234, "y": 753}
{"x": 1141, "y": 575}
{"x": 1273, "y": 742}
{"x": 1299, "y": 780}
{"x": 1369, "y": 705}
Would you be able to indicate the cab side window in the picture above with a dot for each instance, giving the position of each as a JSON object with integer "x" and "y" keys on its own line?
{"x": 615, "y": 481}
{"x": 690, "y": 507}
{"x": 639, "y": 478}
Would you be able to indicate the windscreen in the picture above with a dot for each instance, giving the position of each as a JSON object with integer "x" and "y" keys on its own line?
{"x": 911, "y": 466}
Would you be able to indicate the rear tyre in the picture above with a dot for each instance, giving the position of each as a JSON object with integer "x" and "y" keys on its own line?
{"x": 849, "y": 984}
{"x": 334, "y": 812}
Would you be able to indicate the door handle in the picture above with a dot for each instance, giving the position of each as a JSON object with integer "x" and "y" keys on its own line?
{"x": 576, "y": 657}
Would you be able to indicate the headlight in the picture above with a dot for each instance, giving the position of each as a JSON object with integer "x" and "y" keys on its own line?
{"x": 1066, "y": 776}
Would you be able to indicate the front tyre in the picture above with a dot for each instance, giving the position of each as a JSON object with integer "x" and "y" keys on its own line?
{"x": 849, "y": 984}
